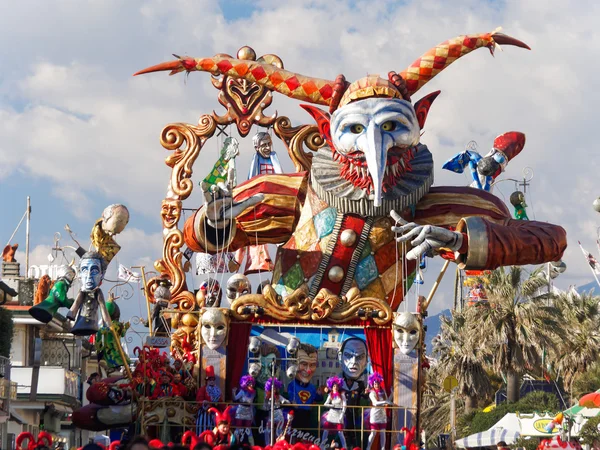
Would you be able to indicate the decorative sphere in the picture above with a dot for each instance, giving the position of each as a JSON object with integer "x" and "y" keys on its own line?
{"x": 189, "y": 320}
{"x": 348, "y": 238}
{"x": 336, "y": 274}
{"x": 596, "y": 204}
{"x": 114, "y": 219}
{"x": 246, "y": 53}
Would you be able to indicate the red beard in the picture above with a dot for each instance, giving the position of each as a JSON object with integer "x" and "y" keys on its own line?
{"x": 354, "y": 168}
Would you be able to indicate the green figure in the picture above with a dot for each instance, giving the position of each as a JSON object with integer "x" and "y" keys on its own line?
{"x": 107, "y": 348}
{"x": 224, "y": 169}
{"x": 517, "y": 199}
{"x": 57, "y": 297}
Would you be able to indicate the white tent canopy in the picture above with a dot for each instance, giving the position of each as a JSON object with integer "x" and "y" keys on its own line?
{"x": 508, "y": 429}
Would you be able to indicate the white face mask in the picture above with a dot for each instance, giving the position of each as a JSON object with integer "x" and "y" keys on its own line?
{"x": 215, "y": 327}
{"x": 407, "y": 332}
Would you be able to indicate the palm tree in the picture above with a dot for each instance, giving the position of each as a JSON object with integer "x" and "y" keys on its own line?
{"x": 581, "y": 346}
{"x": 518, "y": 325}
{"x": 459, "y": 355}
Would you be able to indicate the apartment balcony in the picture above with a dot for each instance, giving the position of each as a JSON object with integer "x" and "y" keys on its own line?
{"x": 54, "y": 384}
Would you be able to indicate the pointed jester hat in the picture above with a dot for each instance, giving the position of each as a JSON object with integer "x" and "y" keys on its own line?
{"x": 268, "y": 71}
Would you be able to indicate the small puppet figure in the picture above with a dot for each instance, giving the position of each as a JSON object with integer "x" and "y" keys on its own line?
{"x": 107, "y": 348}
{"x": 334, "y": 418}
{"x": 56, "y": 298}
{"x": 224, "y": 169}
{"x": 265, "y": 161}
{"x": 485, "y": 169}
{"x": 272, "y": 391}
{"x": 208, "y": 396}
{"x": 378, "y": 416}
{"x": 161, "y": 325}
{"x": 517, "y": 199}
{"x": 244, "y": 413}
{"x": 92, "y": 268}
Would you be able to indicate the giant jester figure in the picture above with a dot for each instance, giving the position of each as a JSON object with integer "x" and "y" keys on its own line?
{"x": 336, "y": 223}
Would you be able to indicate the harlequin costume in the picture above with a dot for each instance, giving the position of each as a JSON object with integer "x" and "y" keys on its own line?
{"x": 334, "y": 223}
{"x": 212, "y": 395}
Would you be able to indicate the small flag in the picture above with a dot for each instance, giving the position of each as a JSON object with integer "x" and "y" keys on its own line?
{"x": 126, "y": 274}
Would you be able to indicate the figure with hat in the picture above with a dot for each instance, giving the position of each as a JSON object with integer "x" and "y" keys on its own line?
{"x": 208, "y": 396}
{"x": 221, "y": 434}
{"x": 517, "y": 199}
{"x": 165, "y": 387}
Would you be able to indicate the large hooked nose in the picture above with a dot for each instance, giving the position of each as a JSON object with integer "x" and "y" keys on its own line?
{"x": 376, "y": 156}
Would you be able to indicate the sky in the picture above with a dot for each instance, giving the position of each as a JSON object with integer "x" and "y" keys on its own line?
{"x": 80, "y": 133}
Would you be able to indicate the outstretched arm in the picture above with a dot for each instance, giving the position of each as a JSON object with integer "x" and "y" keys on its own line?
{"x": 263, "y": 210}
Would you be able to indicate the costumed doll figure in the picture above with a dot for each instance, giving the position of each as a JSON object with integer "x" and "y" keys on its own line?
{"x": 265, "y": 161}
{"x": 161, "y": 325}
{"x": 222, "y": 175}
{"x": 377, "y": 416}
{"x": 92, "y": 268}
{"x": 273, "y": 399}
{"x": 334, "y": 418}
{"x": 208, "y": 396}
{"x": 57, "y": 297}
{"x": 517, "y": 199}
{"x": 107, "y": 347}
{"x": 244, "y": 413}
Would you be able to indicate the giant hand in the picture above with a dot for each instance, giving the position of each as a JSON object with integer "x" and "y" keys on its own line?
{"x": 220, "y": 207}
{"x": 426, "y": 239}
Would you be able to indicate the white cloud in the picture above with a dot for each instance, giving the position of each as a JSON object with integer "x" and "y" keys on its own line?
{"x": 81, "y": 123}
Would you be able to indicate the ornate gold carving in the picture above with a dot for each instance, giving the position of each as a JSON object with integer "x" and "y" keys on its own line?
{"x": 326, "y": 306}
{"x": 296, "y": 138}
{"x": 174, "y": 409}
{"x": 173, "y": 136}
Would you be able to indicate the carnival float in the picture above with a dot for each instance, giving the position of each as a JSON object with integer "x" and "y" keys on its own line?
{"x": 329, "y": 344}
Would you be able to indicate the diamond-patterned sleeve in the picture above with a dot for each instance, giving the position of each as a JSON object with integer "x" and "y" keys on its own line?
{"x": 271, "y": 221}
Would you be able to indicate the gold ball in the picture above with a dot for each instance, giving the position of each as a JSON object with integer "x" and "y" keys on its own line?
{"x": 246, "y": 53}
{"x": 336, "y": 274}
{"x": 189, "y": 320}
{"x": 348, "y": 238}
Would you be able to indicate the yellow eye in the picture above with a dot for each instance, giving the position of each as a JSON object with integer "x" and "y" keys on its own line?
{"x": 357, "y": 128}
{"x": 390, "y": 125}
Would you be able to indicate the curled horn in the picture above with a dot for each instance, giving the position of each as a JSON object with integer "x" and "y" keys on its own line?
{"x": 441, "y": 56}
{"x": 291, "y": 84}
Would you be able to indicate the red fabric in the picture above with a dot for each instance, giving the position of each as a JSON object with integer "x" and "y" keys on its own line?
{"x": 379, "y": 344}
{"x": 239, "y": 336}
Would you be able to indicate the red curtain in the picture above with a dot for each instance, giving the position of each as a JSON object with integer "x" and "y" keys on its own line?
{"x": 237, "y": 348}
{"x": 379, "y": 343}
